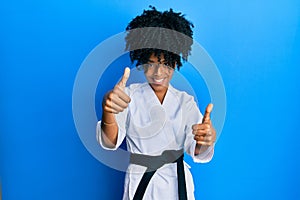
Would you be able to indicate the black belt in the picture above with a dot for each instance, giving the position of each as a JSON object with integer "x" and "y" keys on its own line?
{"x": 153, "y": 163}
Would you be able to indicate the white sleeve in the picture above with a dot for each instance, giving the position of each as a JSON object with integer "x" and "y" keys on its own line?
{"x": 204, "y": 157}
{"x": 99, "y": 135}
{"x": 193, "y": 116}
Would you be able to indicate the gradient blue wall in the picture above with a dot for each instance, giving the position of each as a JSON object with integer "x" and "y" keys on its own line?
{"x": 255, "y": 45}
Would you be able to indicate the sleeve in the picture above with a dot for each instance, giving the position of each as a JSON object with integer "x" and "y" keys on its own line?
{"x": 194, "y": 116}
{"x": 121, "y": 119}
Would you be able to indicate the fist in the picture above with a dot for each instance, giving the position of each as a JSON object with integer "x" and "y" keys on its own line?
{"x": 204, "y": 133}
{"x": 117, "y": 100}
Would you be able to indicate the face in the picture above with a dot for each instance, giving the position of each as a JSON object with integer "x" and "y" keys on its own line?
{"x": 158, "y": 74}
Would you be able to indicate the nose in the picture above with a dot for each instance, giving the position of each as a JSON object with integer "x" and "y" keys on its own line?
{"x": 159, "y": 69}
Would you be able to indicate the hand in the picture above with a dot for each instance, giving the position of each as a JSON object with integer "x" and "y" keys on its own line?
{"x": 204, "y": 133}
{"x": 117, "y": 100}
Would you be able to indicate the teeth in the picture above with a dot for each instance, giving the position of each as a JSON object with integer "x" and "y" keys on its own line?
{"x": 158, "y": 80}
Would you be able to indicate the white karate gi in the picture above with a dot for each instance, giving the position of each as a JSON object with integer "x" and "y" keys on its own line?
{"x": 151, "y": 128}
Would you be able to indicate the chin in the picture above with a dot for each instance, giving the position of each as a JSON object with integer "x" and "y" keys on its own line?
{"x": 158, "y": 87}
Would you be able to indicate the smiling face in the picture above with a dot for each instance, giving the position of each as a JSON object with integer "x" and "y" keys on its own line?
{"x": 158, "y": 73}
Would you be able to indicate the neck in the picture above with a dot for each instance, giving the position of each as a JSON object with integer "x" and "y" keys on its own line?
{"x": 160, "y": 92}
{"x": 161, "y": 96}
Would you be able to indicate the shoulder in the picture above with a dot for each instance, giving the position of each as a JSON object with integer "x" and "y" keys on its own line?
{"x": 183, "y": 96}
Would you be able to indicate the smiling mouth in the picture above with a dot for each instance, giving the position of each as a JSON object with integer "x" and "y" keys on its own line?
{"x": 158, "y": 81}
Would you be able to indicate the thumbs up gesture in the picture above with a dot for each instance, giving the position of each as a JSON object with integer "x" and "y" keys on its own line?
{"x": 117, "y": 100}
{"x": 204, "y": 133}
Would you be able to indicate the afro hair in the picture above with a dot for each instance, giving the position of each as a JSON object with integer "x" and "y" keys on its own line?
{"x": 169, "y": 30}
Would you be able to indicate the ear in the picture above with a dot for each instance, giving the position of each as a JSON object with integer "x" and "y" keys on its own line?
{"x": 175, "y": 64}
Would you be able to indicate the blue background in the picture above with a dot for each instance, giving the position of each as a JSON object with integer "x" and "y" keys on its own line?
{"x": 255, "y": 45}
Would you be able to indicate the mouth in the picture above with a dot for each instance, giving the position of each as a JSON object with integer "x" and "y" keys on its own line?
{"x": 158, "y": 81}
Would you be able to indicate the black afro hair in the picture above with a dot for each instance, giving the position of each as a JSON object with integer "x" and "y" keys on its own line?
{"x": 172, "y": 31}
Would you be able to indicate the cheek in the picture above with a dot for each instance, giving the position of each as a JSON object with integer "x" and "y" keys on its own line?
{"x": 148, "y": 73}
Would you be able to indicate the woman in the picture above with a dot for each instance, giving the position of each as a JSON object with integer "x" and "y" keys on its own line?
{"x": 159, "y": 122}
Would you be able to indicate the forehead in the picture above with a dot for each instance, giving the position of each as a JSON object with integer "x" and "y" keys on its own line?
{"x": 156, "y": 59}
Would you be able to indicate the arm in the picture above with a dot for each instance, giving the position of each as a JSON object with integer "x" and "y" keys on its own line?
{"x": 114, "y": 102}
{"x": 109, "y": 129}
{"x": 200, "y": 134}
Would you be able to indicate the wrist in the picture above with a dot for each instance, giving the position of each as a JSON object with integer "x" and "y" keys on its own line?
{"x": 199, "y": 148}
{"x": 108, "y": 123}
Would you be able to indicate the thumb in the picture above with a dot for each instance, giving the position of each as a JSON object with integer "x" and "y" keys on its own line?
{"x": 124, "y": 79}
{"x": 206, "y": 117}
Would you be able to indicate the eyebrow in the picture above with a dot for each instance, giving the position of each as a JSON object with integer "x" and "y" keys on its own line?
{"x": 162, "y": 61}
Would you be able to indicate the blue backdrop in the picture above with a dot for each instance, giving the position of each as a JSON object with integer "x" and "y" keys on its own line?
{"x": 255, "y": 45}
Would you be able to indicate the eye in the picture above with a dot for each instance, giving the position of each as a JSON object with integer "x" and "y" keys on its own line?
{"x": 166, "y": 64}
{"x": 150, "y": 65}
